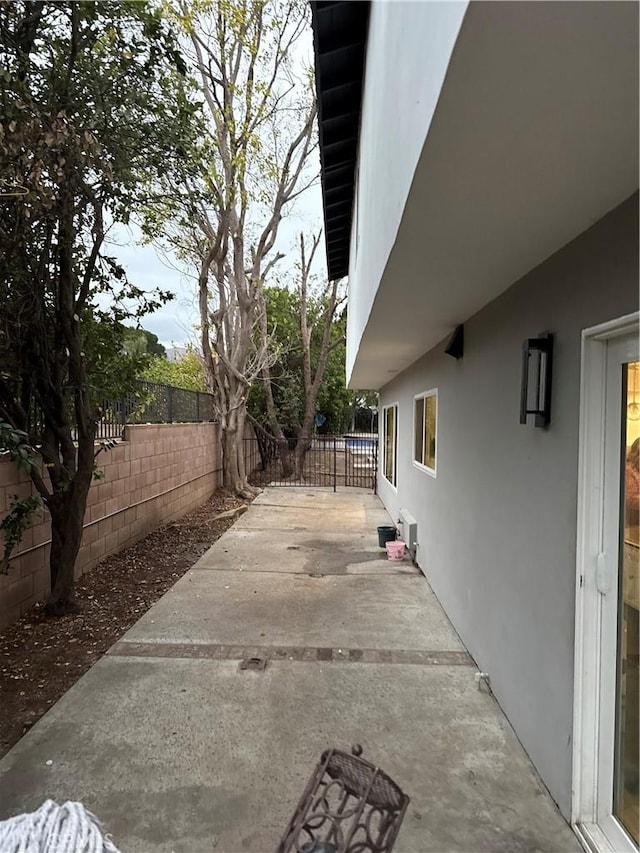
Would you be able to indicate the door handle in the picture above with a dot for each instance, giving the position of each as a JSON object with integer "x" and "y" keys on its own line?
{"x": 603, "y": 575}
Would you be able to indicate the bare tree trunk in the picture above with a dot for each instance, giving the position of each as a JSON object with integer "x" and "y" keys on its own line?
{"x": 233, "y": 480}
{"x": 233, "y": 414}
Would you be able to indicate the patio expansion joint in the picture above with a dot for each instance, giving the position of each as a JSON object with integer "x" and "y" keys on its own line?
{"x": 399, "y": 570}
{"x": 306, "y": 654}
{"x": 314, "y": 508}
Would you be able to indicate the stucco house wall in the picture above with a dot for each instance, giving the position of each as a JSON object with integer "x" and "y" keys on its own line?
{"x": 497, "y": 526}
{"x": 397, "y": 110}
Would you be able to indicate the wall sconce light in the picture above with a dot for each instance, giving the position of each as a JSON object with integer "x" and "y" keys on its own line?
{"x": 455, "y": 347}
{"x": 535, "y": 393}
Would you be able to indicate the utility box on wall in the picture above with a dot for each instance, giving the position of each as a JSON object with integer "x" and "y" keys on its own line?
{"x": 408, "y": 529}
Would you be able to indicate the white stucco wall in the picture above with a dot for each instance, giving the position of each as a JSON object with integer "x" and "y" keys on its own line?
{"x": 399, "y": 102}
{"x": 497, "y": 527}
{"x": 492, "y": 134}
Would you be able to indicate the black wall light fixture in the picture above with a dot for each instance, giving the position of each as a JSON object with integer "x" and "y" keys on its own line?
{"x": 455, "y": 347}
{"x": 535, "y": 393}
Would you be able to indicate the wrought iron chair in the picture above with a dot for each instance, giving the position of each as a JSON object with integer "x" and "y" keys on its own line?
{"x": 348, "y": 806}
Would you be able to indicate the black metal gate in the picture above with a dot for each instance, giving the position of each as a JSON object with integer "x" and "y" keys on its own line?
{"x": 324, "y": 460}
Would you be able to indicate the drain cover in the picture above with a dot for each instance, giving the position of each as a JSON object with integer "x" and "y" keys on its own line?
{"x": 256, "y": 664}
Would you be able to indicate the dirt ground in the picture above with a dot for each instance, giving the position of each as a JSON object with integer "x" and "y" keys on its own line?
{"x": 41, "y": 658}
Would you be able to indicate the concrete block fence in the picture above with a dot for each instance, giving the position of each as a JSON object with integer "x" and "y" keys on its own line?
{"x": 156, "y": 474}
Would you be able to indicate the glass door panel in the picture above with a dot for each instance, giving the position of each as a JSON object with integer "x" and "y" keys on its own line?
{"x": 627, "y": 726}
{"x": 605, "y": 805}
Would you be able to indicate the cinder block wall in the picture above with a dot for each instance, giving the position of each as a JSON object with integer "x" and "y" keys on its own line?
{"x": 158, "y": 473}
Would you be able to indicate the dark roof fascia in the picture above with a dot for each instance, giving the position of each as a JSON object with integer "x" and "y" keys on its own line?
{"x": 340, "y": 30}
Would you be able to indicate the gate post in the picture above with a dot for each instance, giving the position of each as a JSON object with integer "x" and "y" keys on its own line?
{"x": 335, "y": 464}
{"x": 375, "y": 468}
{"x": 348, "y": 480}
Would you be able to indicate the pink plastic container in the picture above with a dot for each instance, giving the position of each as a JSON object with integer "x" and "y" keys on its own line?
{"x": 395, "y": 550}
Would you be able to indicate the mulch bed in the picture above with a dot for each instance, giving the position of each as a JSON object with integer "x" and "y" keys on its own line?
{"x": 40, "y": 658}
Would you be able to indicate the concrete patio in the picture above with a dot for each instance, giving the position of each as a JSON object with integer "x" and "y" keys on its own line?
{"x": 176, "y": 749}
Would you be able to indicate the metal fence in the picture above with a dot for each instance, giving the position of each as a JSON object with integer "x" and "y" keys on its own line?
{"x": 155, "y": 404}
{"x": 329, "y": 460}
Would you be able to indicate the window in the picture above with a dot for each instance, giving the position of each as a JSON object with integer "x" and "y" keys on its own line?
{"x": 390, "y": 442}
{"x": 424, "y": 430}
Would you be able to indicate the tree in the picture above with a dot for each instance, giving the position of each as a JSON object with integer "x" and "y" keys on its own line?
{"x": 142, "y": 342}
{"x": 363, "y": 411}
{"x": 315, "y": 339}
{"x": 334, "y": 399}
{"x": 187, "y": 372}
{"x": 252, "y": 163}
{"x": 92, "y": 110}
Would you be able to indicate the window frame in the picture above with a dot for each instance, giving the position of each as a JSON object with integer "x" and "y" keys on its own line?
{"x": 393, "y": 483}
{"x": 424, "y": 395}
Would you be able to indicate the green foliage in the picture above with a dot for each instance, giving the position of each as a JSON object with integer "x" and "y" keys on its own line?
{"x": 15, "y": 442}
{"x": 343, "y": 408}
{"x": 334, "y": 399}
{"x": 14, "y": 524}
{"x": 142, "y": 342}
{"x": 93, "y": 109}
{"x": 187, "y": 372}
{"x": 283, "y": 322}
{"x": 115, "y": 371}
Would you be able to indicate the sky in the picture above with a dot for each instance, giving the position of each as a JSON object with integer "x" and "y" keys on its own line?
{"x": 175, "y": 323}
